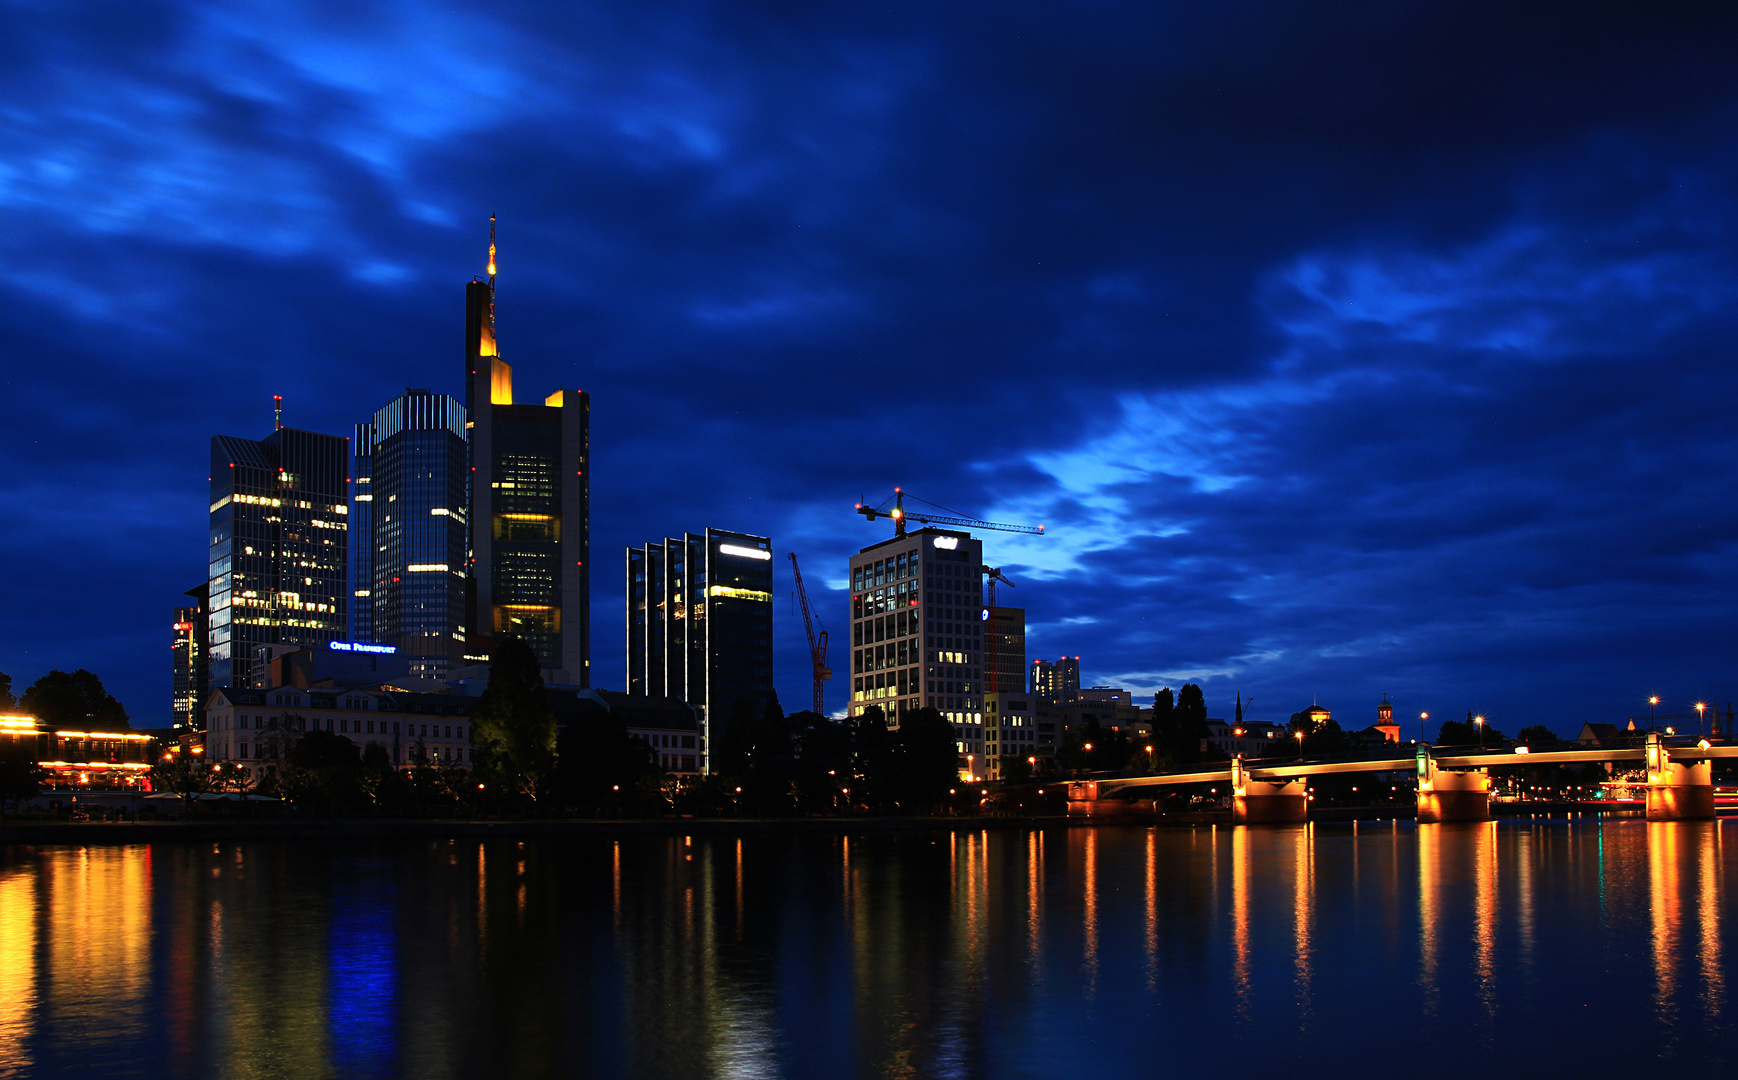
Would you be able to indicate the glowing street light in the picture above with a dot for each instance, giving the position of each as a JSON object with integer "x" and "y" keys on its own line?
{"x": 1701, "y": 713}
{"x": 1479, "y": 722}
{"x": 1422, "y": 717}
{"x": 1298, "y": 735}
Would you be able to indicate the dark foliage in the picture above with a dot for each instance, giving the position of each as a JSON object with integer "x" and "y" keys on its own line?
{"x": 74, "y": 700}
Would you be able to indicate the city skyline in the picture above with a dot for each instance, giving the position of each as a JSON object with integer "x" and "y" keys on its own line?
{"x": 1436, "y": 411}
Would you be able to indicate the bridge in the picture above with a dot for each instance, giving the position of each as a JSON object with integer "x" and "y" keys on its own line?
{"x": 1451, "y": 786}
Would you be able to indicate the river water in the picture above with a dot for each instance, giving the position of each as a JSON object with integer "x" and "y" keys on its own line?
{"x": 1545, "y": 948}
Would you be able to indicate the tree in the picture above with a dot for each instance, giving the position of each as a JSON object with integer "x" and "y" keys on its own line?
{"x": 1185, "y": 725}
{"x": 76, "y": 700}
{"x": 1326, "y": 737}
{"x": 1467, "y": 733}
{"x": 598, "y": 764}
{"x": 7, "y": 701}
{"x": 1537, "y": 733}
{"x": 927, "y": 760}
{"x": 187, "y": 775}
{"x": 513, "y": 728}
{"x": 734, "y": 742}
{"x": 20, "y": 775}
{"x": 872, "y": 745}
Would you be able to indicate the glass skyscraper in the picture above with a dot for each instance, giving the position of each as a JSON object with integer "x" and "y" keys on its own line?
{"x": 530, "y": 504}
{"x": 278, "y": 547}
{"x": 699, "y": 623}
{"x": 408, "y": 531}
{"x": 189, "y": 651}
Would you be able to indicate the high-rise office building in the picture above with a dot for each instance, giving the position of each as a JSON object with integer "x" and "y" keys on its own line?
{"x": 530, "y": 504}
{"x": 409, "y": 565}
{"x": 362, "y": 542}
{"x": 279, "y": 547}
{"x": 1057, "y": 683}
{"x": 1005, "y": 650}
{"x": 189, "y": 651}
{"x": 699, "y": 623}
{"x": 917, "y": 619}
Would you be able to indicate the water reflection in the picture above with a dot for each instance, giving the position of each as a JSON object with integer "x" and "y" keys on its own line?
{"x": 1006, "y": 953}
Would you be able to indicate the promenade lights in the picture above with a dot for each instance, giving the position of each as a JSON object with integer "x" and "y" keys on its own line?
{"x": 1479, "y": 722}
{"x": 1651, "y": 702}
{"x": 1422, "y": 717}
{"x": 1701, "y": 714}
{"x": 1298, "y": 735}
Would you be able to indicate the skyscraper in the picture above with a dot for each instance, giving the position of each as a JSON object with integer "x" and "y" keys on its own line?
{"x": 1057, "y": 683}
{"x": 699, "y": 623}
{"x": 1005, "y": 650}
{"x": 917, "y": 620}
{"x": 279, "y": 546}
{"x": 530, "y": 503}
{"x": 408, "y": 531}
{"x": 189, "y": 651}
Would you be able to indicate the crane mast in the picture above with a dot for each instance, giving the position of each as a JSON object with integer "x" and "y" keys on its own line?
{"x": 817, "y": 642}
{"x": 993, "y": 640}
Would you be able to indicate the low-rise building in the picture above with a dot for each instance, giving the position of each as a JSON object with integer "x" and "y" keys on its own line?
{"x": 669, "y": 726}
{"x": 255, "y": 729}
{"x": 82, "y": 760}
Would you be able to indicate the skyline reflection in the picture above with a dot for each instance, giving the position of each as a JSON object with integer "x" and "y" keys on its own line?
{"x": 995, "y": 953}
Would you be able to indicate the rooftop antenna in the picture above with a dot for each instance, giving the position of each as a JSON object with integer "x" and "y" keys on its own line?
{"x": 491, "y": 271}
{"x": 277, "y": 412}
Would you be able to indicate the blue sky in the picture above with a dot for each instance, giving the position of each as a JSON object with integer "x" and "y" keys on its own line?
{"x": 1343, "y": 348}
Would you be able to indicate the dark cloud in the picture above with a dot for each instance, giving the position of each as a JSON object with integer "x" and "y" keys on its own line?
{"x": 1343, "y": 348}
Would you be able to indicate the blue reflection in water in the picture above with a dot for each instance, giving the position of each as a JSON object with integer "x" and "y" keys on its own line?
{"x": 362, "y": 1005}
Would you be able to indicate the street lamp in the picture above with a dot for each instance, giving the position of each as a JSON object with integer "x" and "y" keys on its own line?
{"x": 1298, "y": 735}
{"x": 1422, "y": 717}
{"x": 1479, "y": 722}
{"x": 1701, "y": 715}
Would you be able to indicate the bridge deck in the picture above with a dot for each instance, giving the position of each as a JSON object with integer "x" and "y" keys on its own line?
{"x": 1410, "y": 763}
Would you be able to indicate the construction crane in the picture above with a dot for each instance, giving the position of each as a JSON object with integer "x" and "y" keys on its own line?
{"x": 899, "y": 515}
{"x": 992, "y": 640}
{"x": 817, "y": 642}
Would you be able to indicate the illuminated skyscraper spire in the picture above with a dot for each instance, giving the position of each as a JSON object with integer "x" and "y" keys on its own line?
{"x": 491, "y": 251}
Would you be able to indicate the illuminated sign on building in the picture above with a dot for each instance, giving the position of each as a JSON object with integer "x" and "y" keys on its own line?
{"x": 357, "y": 646}
{"x": 744, "y": 552}
{"x": 947, "y": 543}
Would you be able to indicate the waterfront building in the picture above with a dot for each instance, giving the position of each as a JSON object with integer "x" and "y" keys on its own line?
{"x": 1246, "y": 739}
{"x": 917, "y": 619}
{"x": 699, "y": 624}
{"x": 1005, "y": 650}
{"x": 81, "y": 760}
{"x": 1011, "y": 730}
{"x": 255, "y": 729}
{"x": 279, "y": 547}
{"x": 408, "y": 526}
{"x": 187, "y": 693}
{"x": 529, "y": 505}
{"x": 1056, "y": 682}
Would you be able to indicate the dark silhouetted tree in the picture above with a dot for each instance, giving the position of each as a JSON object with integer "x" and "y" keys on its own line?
{"x": 7, "y": 701}
{"x": 74, "y": 700}
{"x": 926, "y": 753}
{"x": 513, "y": 727}
{"x": 1537, "y": 733}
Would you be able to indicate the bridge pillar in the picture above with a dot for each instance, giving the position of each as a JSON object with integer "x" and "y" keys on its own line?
{"x": 1262, "y": 802}
{"x": 1677, "y": 790}
{"x": 1451, "y": 796}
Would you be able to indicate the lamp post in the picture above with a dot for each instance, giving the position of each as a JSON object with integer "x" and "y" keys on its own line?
{"x": 1653, "y": 699}
{"x": 1298, "y": 735}
{"x": 1479, "y": 722}
{"x": 1422, "y": 717}
{"x": 1701, "y": 715}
